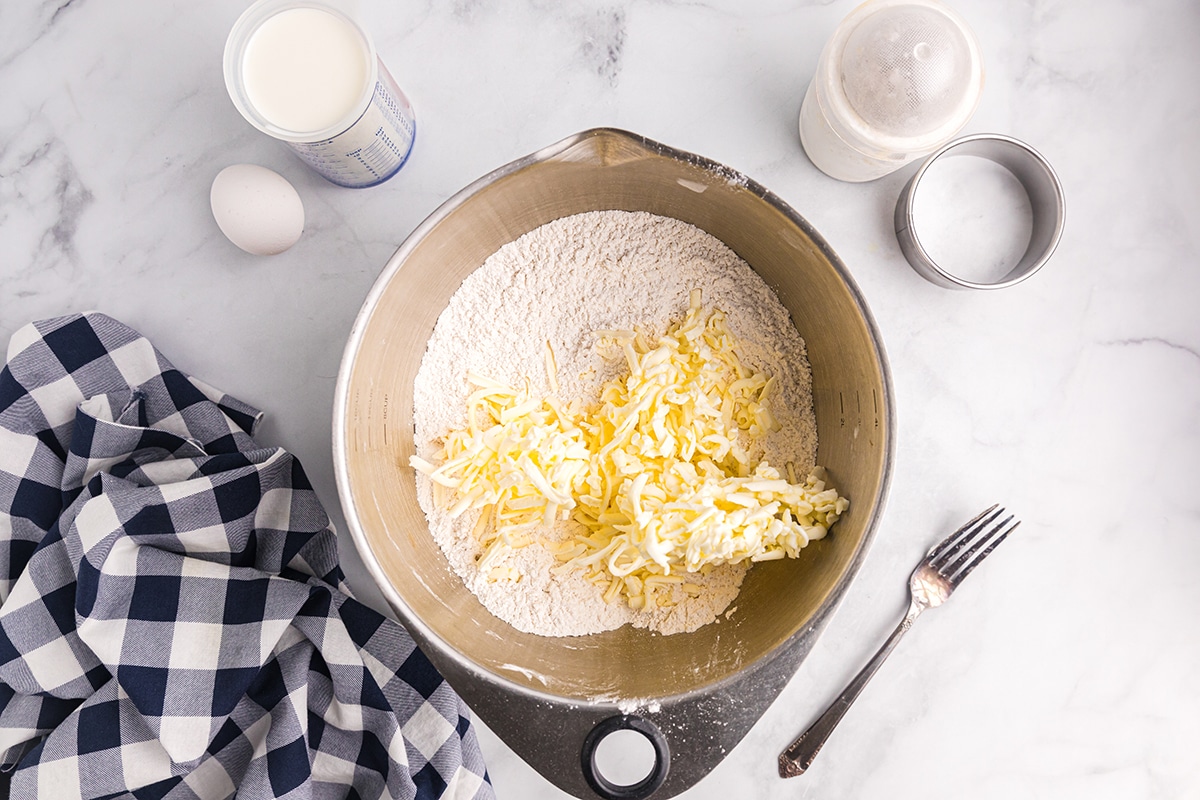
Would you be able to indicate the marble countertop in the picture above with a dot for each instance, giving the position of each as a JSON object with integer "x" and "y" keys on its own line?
{"x": 1068, "y": 666}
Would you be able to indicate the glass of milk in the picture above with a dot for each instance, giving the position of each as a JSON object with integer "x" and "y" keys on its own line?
{"x": 306, "y": 73}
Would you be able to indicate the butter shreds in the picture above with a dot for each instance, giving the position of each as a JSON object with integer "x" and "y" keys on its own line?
{"x": 655, "y": 474}
{"x": 518, "y": 460}
{"x": 555, "y": 292}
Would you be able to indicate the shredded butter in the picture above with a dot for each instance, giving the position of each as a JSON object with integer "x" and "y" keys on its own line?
{"x": 656, "y": 473}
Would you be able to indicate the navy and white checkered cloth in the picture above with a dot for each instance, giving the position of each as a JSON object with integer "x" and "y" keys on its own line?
{"x": 173, "y": 619}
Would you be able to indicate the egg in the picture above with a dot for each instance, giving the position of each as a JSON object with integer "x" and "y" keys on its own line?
{"x": 256, "y": 209}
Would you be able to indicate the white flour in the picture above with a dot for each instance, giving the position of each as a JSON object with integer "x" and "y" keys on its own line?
{"x": 579, "y": 274}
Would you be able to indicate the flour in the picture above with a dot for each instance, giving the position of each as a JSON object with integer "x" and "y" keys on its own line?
{"x": 601, "y": 270}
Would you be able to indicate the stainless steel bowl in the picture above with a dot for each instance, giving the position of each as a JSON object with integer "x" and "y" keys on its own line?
{"x": 700, "y": 691}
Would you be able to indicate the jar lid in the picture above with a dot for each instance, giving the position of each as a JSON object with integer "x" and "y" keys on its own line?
{"x": 909, "y": 71}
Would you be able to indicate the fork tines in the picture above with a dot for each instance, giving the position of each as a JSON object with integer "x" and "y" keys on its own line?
{"x": 962, "y": 550}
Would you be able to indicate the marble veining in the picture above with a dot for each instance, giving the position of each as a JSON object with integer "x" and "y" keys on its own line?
{"x": 23, "y": 33}
{"x": 1065, "y": 668}
{"x": 604, "y": 41}
{"x": 1154, "y": 340}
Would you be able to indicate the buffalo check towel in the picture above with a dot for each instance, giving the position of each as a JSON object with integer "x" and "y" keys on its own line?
{"x": 173, "y": 620}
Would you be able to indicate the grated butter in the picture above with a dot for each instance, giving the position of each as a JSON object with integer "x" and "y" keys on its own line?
{"x": 657, "y": 473}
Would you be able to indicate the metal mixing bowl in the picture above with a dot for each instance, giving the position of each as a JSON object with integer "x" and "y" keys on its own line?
{"x": 701, "y": 691}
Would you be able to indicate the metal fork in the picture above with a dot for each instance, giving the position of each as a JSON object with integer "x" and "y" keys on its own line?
{"x": 945, "y": 567}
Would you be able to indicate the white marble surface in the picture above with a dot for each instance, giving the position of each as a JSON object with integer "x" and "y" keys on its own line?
{"x": 1068, "y": 666}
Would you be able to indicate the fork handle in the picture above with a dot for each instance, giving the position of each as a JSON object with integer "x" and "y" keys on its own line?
{"x": 800, "y": 754}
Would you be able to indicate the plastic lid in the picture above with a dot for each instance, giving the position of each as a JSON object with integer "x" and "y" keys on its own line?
{"x": 911, "y": 70}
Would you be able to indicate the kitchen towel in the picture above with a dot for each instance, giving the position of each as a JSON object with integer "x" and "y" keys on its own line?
{"x": 173, "y": 619}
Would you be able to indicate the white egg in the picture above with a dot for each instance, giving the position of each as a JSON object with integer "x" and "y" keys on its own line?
{"x": 257, "y": 209}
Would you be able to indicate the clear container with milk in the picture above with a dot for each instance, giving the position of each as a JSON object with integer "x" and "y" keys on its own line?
{"x": 306, "y": 73}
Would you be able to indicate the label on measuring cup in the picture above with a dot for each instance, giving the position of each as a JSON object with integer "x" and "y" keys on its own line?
{"x": 374, "y": 148}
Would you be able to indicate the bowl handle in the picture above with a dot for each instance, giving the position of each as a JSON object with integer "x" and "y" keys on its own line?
{"x": 647, "y": 785}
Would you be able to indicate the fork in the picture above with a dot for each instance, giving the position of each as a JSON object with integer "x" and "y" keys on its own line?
{"x": 942, "y": 570}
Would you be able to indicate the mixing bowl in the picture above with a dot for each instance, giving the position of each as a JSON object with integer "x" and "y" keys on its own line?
{"x": 695, "y": 695}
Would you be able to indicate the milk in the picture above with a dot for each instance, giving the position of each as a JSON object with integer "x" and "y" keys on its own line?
{"x": 305, "y": 73}
{"x": 305, "y": 69}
